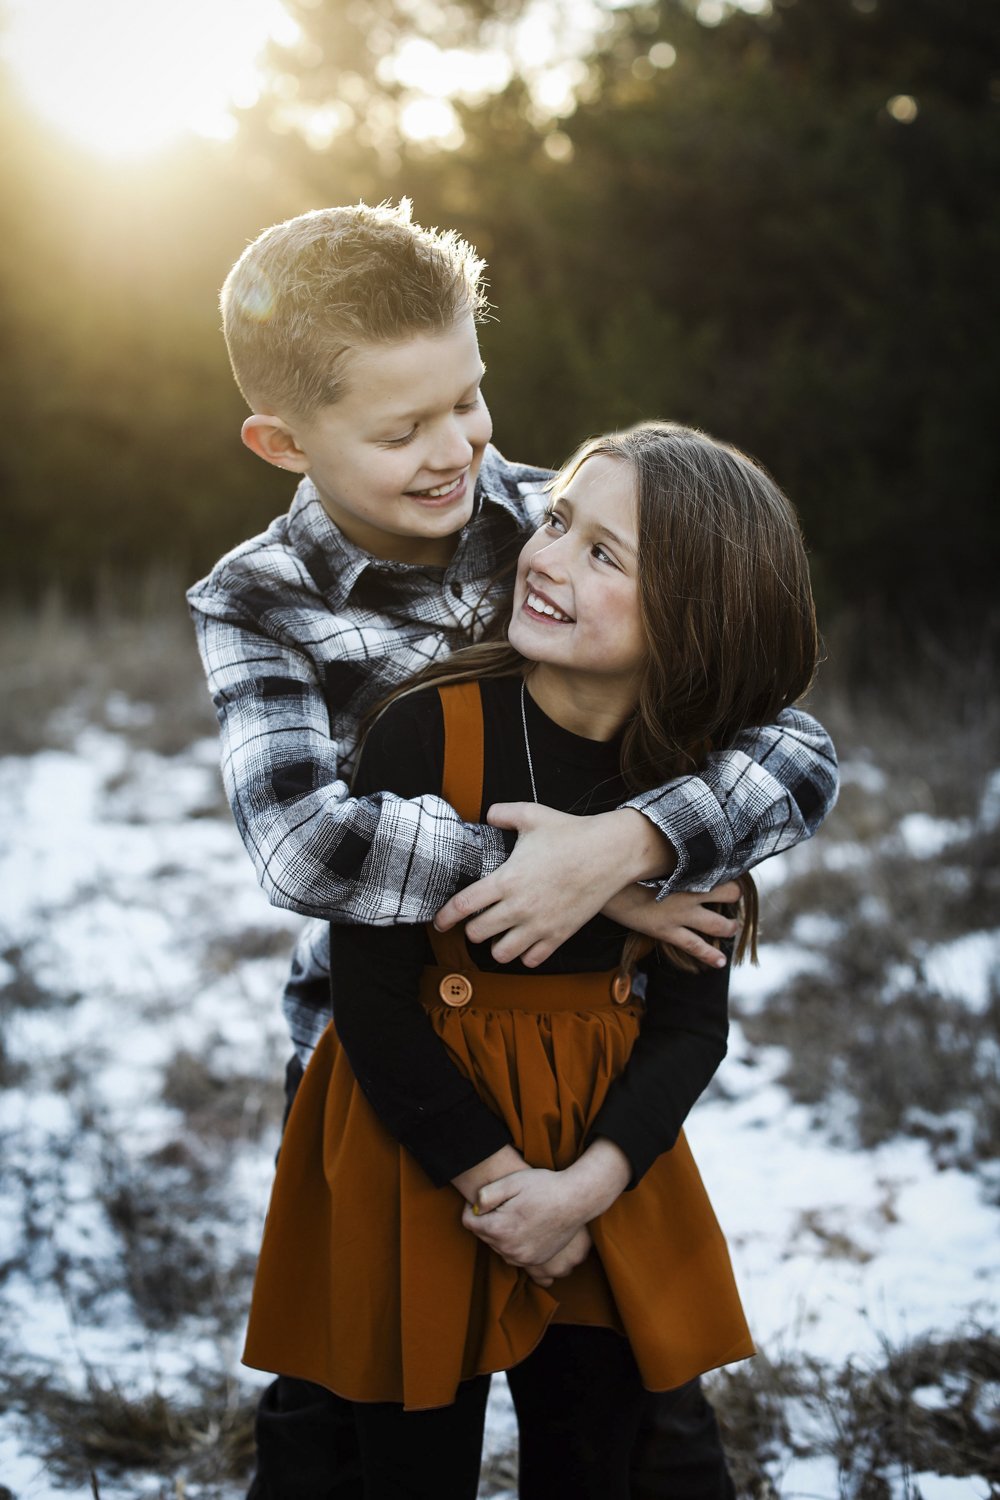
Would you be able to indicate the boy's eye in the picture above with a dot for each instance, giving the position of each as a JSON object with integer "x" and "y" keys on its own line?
{"x": 399, "y": 442}
{"x": 468, "y": 405}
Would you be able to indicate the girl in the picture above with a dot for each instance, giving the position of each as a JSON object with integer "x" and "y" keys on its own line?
{"x": 663, "y": 608}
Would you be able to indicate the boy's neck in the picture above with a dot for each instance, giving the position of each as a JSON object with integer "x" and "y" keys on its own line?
{"x": 593, "y": 707}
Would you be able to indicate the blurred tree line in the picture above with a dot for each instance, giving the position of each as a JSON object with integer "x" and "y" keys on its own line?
{"x": 782, "y": 227}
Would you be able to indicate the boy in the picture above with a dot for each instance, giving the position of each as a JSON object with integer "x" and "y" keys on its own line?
{"x": 352, "y": 335}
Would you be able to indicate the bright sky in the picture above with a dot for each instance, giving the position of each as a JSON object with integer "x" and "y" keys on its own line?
{"x": 124, "y": 77}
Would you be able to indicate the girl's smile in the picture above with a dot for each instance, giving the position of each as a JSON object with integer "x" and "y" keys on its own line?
{"x": 537, "y": 604}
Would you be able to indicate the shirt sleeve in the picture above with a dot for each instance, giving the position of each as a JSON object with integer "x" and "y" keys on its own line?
{"x": 401, "y": 1064}
{"x": 768, "y": 792}
{"x": 317, "y": 850}
{"x": 681, "y": 1042}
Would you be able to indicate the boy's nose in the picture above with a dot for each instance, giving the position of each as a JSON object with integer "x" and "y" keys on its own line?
{"x": 452, "y": 450}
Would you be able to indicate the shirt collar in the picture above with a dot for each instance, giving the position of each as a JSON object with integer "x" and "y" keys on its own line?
{"x": 335, "y": 563}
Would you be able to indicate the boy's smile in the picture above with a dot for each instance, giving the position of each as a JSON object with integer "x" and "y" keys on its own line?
{"x": 395, "y": 460}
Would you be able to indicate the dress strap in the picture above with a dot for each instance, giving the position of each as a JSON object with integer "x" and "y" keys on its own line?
{"x": 462, "y": 787}
{"x": 462, "y": 777}
{"x": 456, "y": 978}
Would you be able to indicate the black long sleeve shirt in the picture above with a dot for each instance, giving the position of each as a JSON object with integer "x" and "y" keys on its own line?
{"x": 401, "y": 1064}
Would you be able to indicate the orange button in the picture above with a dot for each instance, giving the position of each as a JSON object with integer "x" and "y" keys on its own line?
{"x": 455, "y": 989}
{"x": 621, "y": 988}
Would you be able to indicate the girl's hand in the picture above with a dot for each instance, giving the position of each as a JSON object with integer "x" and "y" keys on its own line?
{"x": 528, "y": 1218}
{"x": 501, "y": 1164}
{"x": 683, "y": 919}
{"x": 567, "y": 1260}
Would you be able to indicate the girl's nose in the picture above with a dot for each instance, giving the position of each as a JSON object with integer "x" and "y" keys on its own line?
{"x": 551, "y": 559}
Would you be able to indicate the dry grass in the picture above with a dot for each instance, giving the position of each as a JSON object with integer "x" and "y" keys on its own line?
{"x": 925, "y": 711}
{"x": 932, "y": 1406}
{"x": 60, "y": 670}
{"x": 103, "y": 1434}
{"x": 869, "y": 1039}
{"x": 898, "y": 1063}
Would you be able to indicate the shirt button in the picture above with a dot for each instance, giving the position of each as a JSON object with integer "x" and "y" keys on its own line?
{"x": 455, "y": 990}
{"x": 621, "y": 988}
{"x": 456, "y": 589}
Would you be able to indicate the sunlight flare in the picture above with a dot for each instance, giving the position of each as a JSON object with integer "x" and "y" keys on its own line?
{"x": 123, "y": 79}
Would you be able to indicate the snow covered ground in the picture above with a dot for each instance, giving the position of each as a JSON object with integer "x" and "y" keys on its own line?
{"x": 140, "y": 1060}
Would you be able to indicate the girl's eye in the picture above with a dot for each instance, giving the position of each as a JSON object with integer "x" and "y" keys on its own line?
{"x": 553, "y": 521}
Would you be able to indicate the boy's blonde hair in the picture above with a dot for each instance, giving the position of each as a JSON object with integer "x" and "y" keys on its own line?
{"x": 308, "y": 291}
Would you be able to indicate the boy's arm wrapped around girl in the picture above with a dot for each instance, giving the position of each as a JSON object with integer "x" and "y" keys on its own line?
{"x": 381, "y": 859}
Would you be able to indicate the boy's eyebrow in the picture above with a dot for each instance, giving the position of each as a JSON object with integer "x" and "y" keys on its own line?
{"x": 597, "y": 527}
{"x": 403, "y": 413}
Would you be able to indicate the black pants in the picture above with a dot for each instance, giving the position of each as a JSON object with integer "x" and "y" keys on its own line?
{"x": 576, "y": 1429}
{"x": 578, "y": 1399}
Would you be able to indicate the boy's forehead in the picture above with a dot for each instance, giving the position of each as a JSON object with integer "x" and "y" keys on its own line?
{"x": 422, "y": 369}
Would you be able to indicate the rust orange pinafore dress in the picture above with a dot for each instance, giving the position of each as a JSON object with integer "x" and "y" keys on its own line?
{"x": 367, "y": 1281}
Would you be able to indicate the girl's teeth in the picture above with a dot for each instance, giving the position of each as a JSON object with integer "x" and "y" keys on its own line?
{"x": 542, "y": 608}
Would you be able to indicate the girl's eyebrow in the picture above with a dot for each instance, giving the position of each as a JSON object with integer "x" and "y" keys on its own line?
{"x": 598, "y": 528}
{"x": 619, "y": 541}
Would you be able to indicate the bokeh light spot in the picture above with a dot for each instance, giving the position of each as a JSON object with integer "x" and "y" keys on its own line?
{"x": 431, "y": 120}
{"x": 903, "y": 107}
{"x": 662, "y": 55}
{"x": 558, "y": 146}
{"x": 711, "y": 13}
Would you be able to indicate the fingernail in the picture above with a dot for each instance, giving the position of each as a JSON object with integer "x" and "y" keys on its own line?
{"x": 475, "y": 1209}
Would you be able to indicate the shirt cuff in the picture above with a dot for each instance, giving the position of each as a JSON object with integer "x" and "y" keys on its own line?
{"x": 497, "y": 846}
{"x": 697, "y": 829}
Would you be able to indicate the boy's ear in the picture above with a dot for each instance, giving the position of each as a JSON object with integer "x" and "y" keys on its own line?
{"x": 273, "y": 441}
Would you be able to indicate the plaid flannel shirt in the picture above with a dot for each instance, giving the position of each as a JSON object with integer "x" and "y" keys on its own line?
{"x": 300, "y": 632}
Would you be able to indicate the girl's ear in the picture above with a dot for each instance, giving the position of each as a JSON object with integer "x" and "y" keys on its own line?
{"x": 273, "y": 441}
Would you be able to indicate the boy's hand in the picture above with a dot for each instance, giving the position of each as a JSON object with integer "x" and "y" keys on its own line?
{"x": 683, "y": 918}
{"x": 563, "y": 871}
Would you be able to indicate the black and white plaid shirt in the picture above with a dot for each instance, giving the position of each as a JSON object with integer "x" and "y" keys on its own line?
{"x": 300, "y": 632}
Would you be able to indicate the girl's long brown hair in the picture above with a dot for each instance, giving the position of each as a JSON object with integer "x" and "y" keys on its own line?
{"x": 726, "y": 605}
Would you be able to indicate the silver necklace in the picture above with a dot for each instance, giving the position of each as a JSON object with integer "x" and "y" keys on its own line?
{"x": 527, "y": 747}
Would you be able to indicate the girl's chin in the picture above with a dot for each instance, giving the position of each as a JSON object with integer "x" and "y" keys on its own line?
{"x": 526, "y": 641}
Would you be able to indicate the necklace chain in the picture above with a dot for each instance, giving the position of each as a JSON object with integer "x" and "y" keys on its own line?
{"x": 527, "y": 747}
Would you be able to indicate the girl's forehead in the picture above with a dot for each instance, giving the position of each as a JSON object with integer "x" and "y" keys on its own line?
{"x": 601, "y": 482}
